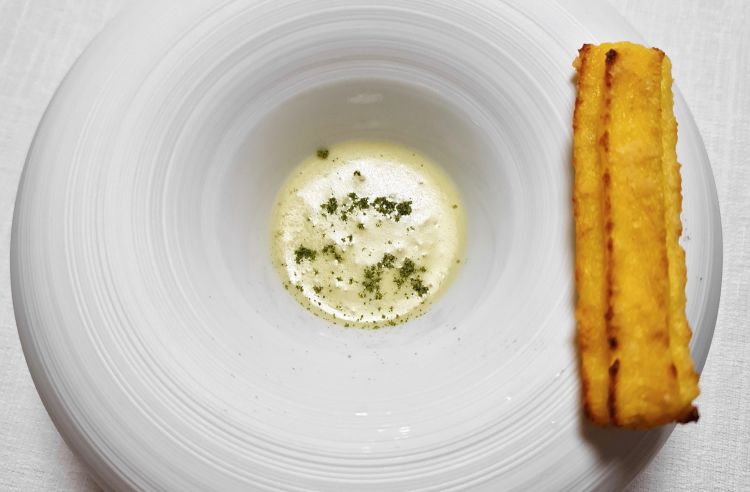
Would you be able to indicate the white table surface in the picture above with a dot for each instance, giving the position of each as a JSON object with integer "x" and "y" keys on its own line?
{"x": 709, "y": 44}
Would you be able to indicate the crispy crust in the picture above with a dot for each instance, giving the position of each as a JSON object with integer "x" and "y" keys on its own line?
{"x": 630, "y": 270}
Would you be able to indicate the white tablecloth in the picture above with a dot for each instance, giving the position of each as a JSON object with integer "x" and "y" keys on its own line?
{"x": 709, "y": 44}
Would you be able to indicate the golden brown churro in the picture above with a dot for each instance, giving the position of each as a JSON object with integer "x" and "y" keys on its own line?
{"x": 630, "y": 269}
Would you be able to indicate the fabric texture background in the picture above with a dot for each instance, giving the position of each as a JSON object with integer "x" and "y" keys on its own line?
{"x": 708, "y": 43}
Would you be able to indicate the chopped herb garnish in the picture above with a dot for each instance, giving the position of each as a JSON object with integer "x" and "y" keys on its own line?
{"x": 403, "y": 208}
{"x": 360, "y": 226}
{"x": 317, "y": 289}
{"x": 371, "y": 283}
{"x": 387, "y": 261}
{"x": 384, "y": 205}
{"x": 346, "y": 207}
{"x": 418, "y": 286}
{"x": 373, "y": 276}
{"x": 407, "y": 270}
{"x": 330, "y": 249}
{"x": 330, "y": 206}
{"x": 322, "y": 153}
{"x": 357, "y": 173}
{"x": 304, "y": 253}
{"x": 392, "y": 209}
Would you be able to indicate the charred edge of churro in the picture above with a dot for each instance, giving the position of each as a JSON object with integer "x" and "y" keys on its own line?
{"x": 583, "y": 52}
{"x": 580, "y": 66}
{"x": 691, "y": 416}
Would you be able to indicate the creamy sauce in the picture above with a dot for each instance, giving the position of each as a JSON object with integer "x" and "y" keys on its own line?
{"x": 367, "y": 234}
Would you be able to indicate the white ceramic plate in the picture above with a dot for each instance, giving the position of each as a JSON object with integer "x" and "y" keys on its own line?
{"x": 157, "y": 333}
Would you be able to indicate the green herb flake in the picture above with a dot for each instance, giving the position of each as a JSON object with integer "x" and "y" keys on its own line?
{"x": 330, "y": 206}
{"x": 317, "y": 289}
{"x": 387, "y": 261}
{"x": 322, "y": 153}
{"x": 304, "y": 253}
{"x": 330, "y": 249}
{"x": 373, "y": 275}
{"x": 407, "y": 270}
{"x": 363, "y": 203}
{"x": 418, "y": 286}
{"x": 403, "y": 208}
{"x": 384, "y": 205}
{"x": 355, "y": 202}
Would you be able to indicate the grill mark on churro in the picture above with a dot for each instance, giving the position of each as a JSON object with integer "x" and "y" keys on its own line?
{"x": 610, "y": 327}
